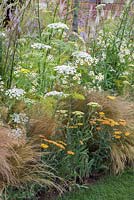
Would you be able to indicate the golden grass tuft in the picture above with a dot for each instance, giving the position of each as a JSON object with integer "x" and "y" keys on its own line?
{"x": 20, "y": 163}
{"x": 122, "y": 155}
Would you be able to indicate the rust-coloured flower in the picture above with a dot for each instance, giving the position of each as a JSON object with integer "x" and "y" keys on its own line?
{"x": 70, "y": 153}
{"x": 127, "y": 133}
{"x": 117, "y": 132}
{"x": 98, "y": 128}
{"x": 117, "y": 136}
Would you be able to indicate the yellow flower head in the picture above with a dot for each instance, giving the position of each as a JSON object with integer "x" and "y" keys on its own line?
{"x": 111, "y": 97}
{"x": 44, "y": 146}
{"x": 101, "y": 113}
{"x": 127, "y": 133}
{"x": 117, "y": 136}
{"x": 24, "y": 71}
{"x": 79, "y": 124}
{"x": 70, "y": 153}
{"x": 110, "y": 122}
{"x": 117, "y": 132}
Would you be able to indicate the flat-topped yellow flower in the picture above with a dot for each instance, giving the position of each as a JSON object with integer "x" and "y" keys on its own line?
{"x": 70, "y": 153}
{"x": 117, "y": 132}
{"x": 111, "y": 97}
{"x": 101, "y": 113}
{"x": 117, "y": 136}
{"x": 44, "y": 146}
{"x": 24, "y": 71}
{"x": 127, "y": 133}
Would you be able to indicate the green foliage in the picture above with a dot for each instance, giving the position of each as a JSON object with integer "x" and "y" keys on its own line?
{"x": 110, "y": 188}
{"x": 46, "y": 74}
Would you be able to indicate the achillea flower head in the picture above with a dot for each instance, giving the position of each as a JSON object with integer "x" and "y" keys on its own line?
{"x": 94, "y": 105}
{"x": 127, "y": 133}
{"x": 70, "y": 153}
{"x": 44, "y": 146}
{"x": 77, "y": 112}
{"x": 111, "y": 97}
{"x": 117, "y": 136}
{"x": 24, "y": 71}
{"x": 117, "y": 132}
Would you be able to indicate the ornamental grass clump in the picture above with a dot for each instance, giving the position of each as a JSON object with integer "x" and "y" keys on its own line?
{"x": 21, "y": 163}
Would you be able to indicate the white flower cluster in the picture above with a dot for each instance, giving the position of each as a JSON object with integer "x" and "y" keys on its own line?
{"x": 124, "y": 51}
{"x": 2, "y": 34}
{"x": 16, "y": 133}
{"x": 38, "y": 45}
{"x": 99, "y": 77}
{"x": 91, "y": 73}
{"x": 42, "y": 5}
{"x": 77, "y": 77}
{"x": 65, "y": 69}
{"x": 29, "y": 101}
{"x": 20, "y": 118}
{"x": 58, "y": 25}
{"x": 101, "y": 6}
{"x": 55, "y": 93}
{"x": 83, "y": 57}
{"x": 50, "y": 58}
{"x": 15, "y": 93}
{"x": 94, "y": 105}
{"x": 1, "y": 85}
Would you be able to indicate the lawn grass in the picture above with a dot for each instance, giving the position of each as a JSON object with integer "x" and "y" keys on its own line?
{"x": 111, "y": 188}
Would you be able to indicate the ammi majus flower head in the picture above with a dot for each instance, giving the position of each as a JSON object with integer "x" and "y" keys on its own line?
{"x": 65, "y": 69}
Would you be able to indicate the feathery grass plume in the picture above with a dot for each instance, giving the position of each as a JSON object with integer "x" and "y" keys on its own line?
{"x": 21, "y": 163}
{"x": 122, "y": 155}
{"x": 42, "y": 119}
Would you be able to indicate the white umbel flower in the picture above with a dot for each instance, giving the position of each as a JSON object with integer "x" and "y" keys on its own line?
{"x": 56, "y": 94}
{"x": 16, "y": 133}
{"x": 38, "y": 45}
{"x": 82, "y": 54}
{"x": 65, "y": 69}
{"x": 15, "y": 93}
{"x": 58, "y": 25}
{"x": 20, "y": 118}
